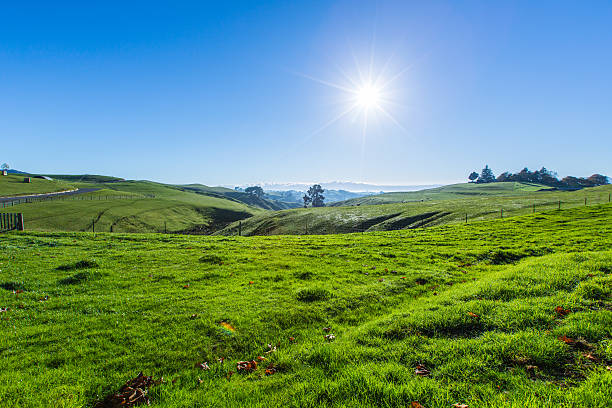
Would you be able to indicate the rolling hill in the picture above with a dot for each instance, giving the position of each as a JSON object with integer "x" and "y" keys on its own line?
{"x": 238, "y": 196}
{"x": 425, "y": 209}
{"x": 448, "y": 192}
{"x": 12, "y": 185}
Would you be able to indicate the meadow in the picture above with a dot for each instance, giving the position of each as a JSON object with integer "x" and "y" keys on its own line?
{"x": 13, "y": 185}
{"x": 426, "y": 208}
{"x": 512, "y": 312}
{"x": 132, "y": 206}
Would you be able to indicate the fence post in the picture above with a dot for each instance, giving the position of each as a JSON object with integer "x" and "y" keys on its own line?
{"x": 239, "y": 228}
{"x": 93, "y": 225}
{"x": 20, "y": 224}
{"x": 584, "y": 200}
{"x": 501, "y": 213}
{"x": 559, "y": 204}
{"x": 466, "y": 218}
{"x": 534, "y": 208}
{"x": 111, "y": 229}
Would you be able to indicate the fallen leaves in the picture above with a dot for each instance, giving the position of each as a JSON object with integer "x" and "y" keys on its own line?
{"x": 203, "y": 365}
{"x": 271, "y": 369}
{"x": 421, "y": 370}
{"x": 327, "y": 329}
{"x": 246, "y": 366}
{"x": 416, "y": 404}
{"x": 566, "y": 340}
{"x": 560, "y": 311}
{"x": 458, "y": 405}
{"x": 472, "y": 314}
{"x": 132, "y": 393}
{"x": 251, "y": 282}
{"x": 330, "y": 337}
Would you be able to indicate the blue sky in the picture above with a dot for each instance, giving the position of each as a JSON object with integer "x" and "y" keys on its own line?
{"x": 220, "y": 92}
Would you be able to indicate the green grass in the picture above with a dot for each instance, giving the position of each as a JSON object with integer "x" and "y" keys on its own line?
{"x": 171, "y": 209}
{"x": 238, "y": 196}
{"x": 475, "y": 305}
{"x": 449, "y": 192}
{"x": 439, "y": 209}
{"x": 13, "y": 185}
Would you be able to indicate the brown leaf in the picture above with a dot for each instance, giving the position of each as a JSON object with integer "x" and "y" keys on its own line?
{"x": 132, "y": 393}
{"x": 246, "y": 366}
{"x": 472, "y": 314}
{"x": 458, "y": 405}
{"x": 416, "y": 404}
{"x": 327, "y": 329}
{"x": 567, "y": 340}
{"x": 561, "y": 311}
{"x": 251, "y": 282}
{"x": 591, "y": 357}
{"x": 421, "y": 370}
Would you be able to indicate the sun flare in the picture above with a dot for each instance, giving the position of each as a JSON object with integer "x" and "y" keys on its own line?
{"x": 368, "y": 96}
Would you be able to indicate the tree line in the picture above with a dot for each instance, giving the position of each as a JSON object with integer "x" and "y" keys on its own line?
{"x": 542, "y": 176}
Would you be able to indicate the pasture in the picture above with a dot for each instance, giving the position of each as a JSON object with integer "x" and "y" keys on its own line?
{"x": 513, "y": 312}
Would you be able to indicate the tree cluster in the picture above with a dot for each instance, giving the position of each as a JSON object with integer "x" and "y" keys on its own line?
{"x": 542, "y": 176}
{"x": 255, "y": 190}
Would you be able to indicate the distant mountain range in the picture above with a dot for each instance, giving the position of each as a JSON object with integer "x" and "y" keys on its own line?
{"x": 347, "y": 186}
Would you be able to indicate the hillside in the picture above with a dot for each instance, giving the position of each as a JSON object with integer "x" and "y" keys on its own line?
{"x": 151, "y": 207}
{"x": 13, "y": 185}
{"x": 448, "y": 192}
{"x": 435, "y": 317}
{"x": 439, "y": 206}
{"x": 238, "y": 196}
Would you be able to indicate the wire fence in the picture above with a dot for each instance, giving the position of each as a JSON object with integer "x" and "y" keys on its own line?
{"x": 423, "y": 220}
{"x": 75, "y": 197}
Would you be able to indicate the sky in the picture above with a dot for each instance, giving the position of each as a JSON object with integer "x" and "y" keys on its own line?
{"x": 224, "y": 93}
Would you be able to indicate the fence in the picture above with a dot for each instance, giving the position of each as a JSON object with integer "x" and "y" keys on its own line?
{"x": 11, "y": 221}
{"x": 432, "y": 218}
{"x": 75, "y": 197}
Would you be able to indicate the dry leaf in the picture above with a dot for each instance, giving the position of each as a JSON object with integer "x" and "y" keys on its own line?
{"x": 561, "y": 311}
{"x": 472, "y": 314}
{"x": 421, "y": 370}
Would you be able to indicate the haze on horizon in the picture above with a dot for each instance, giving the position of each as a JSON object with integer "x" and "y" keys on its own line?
{"x": 238, "y": 92}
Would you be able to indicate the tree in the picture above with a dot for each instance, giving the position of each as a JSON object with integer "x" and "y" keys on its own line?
{"x": 5, "y": 166}
{"x": 314, "y": 196}
{"x": 473, "y": 176}
{"x": 486, "y": 176}
{"x": 598, "y": 180}
{"x": 256, "y": 191}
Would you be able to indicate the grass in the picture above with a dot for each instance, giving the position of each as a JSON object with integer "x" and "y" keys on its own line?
{"x": 441, "y": 207}
{"x": 13, "y": 185}
{"x": 151, "y": 207}
{"x": 473, "y": 309}
{"x": 449, "y": 192}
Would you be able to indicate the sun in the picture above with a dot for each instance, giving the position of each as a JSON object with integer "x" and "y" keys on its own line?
{"x": 368, "y": 96}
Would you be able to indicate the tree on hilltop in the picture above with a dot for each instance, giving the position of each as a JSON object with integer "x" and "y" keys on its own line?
{"x": 255, "y": 190}
{"x": 314, "y": 196}
{"x": 486, "y": 176}
{"x": 5, "y": 166}
{"x": 473, "y": 176}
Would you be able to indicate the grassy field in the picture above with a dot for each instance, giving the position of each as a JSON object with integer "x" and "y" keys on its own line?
{"x": 441, "y": 207}
{"x": 171, "y": 209}
{"x": 503, "y": 313}
{"x": 449, "y": 192}
{"x": 13, "y": 185}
